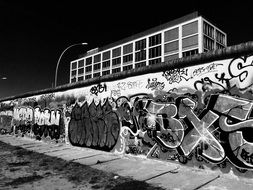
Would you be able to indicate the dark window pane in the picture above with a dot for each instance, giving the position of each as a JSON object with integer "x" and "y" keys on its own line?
{"x": 128, "y": 67}
{"x": 140, "y": 55}
{"x": 106, "y": 55}
{"x": 81, "y": 63}
{"x": 141, "y": 64}
{"x": 106, "y": 72}
{"x": 80, "y": 78}
{"x": 116, "y": 70}
{"x": 97, "y": 58}
{"x": 80, "y": 71}
{"x": 154, "y": 61}
{"x": 89, "y": 61}
{"x": 73, "y": 72}
{"x": 73, "y": 80}
{"x": 128, "y": 48}
{"x": 87, "y": 76}
{"x": 155, "y": 52}
{"x": 116, "y": 52}
{"x": 88, "y": 69}
{"x": 116, "y": 61}
{"x": 155, "y": 40}
{"x": 74, "y": 64}
{"x": 96, "y": 75}
{"x": 128, "y": 58}
{"x": 106, "y": 64}
{"x": 141, "y": 44}
{"x": 189, "y": 53}
{"x": 97, "y": 66}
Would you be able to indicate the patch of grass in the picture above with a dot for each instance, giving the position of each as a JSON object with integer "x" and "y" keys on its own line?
{"x": 22, "y": 180}
{"x": 14, "y": 169}
{"x": 13, "y": 164}
{"x": 140, "y": 185}
{"x": 23, "y": 152}
{"x": 94, "y": 179}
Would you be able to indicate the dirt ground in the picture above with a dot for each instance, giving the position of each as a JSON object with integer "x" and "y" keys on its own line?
{"x": 23, "y": 169}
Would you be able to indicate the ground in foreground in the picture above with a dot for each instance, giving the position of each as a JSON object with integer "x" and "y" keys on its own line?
{"x": 24, "y": 169}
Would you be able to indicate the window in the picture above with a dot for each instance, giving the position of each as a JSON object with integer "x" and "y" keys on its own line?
{"x": 190, "y": 53}
{"x": 170, "y": 47}
{"x": 190, "y": 28}
{"x": 171, "y": 35}
{"x": 116, "y": 61}
{"x": 128, "y": 67}
{"x": 155, "y": 40}
{"x": 208, "y": 43}
{"x": 218, "y": 46}
{"x": 73, "y": 80}
{"x": 140, "y": 45}
{"x": 141, "y": 55}
{"x": 81, "y": 63}
{"x": 96, "y": 75}
{"x": 74, "y": 65}
{"x": 128, "y": 58}
{"x": 96, "y": 66}
{"x": 141, "y": 64}
{"x": 171, "y": 57}
{"x": 105, "y": 72}
{"x": 80, "y": 71}
{"x": 87, "y": 76}
{"x": 73, "y": 72}
{"x": 116, "y": 70}
{"x": 190, "y": 42}
{"x": 220, "y": 37}
{"x": 97, "y": 58}
{"x": 155, "y": 52}
{"x": 88, "y": 69}
{"x": 154, "y": 61}
{"x": 127, "y": 48}
{"x": 116, "y": 52}
{"x": 106, "y": 55}
{"x": 106, "y": 64}
{"x": 208, "y": 30}
{"x": 88, "y": 61}
{"x": 80, "y": 78}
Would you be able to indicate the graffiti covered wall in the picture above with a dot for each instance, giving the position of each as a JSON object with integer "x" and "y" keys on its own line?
{"x": 194, "y": 114}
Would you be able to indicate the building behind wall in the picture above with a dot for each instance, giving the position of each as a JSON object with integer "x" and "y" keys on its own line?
{"x": 185, "y": 36}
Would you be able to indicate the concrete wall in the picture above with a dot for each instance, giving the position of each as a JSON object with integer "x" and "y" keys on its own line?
{"x": 196, "y": 111}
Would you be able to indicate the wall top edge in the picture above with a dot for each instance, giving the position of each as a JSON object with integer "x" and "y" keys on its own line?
{"x": 226, "y": 53}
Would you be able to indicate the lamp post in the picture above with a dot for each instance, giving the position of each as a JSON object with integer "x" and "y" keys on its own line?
{"x": 58, "y": 62}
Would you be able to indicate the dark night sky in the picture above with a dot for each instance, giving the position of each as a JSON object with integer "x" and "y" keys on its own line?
{"x": 33, "y": 34}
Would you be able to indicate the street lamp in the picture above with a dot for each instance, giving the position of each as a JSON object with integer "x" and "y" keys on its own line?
{"x": 58, "y": 62}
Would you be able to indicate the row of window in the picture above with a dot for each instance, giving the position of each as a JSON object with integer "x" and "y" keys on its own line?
{"x": 140, "y": 45}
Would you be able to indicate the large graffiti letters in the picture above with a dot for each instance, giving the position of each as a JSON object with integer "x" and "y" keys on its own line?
{"x": 240, "y": 68}
{"x": 94, "y": 126}
{"x": 44, "y": 122}
{"x": 201, "y": 132}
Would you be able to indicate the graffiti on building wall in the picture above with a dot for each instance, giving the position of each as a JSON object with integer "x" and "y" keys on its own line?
{"x": 94, "y": 126}
{"x": 219, "y": 132}
{"x": 5, "y": 121}
{"x": 200, "y": 113}
{"x": 40, "y": 122}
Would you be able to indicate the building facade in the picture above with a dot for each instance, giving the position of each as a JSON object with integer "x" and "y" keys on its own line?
{"x": 182, "y": 37}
